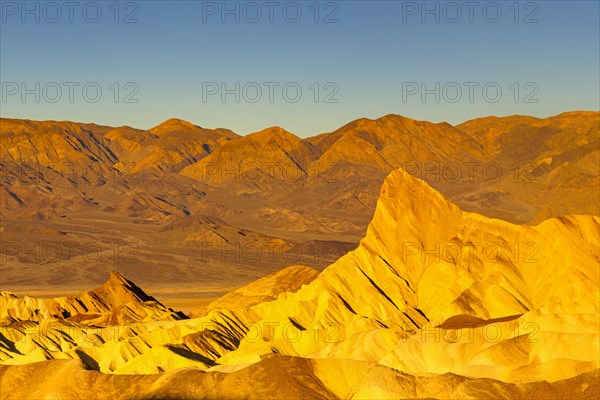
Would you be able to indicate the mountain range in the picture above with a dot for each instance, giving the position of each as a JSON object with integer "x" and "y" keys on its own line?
{"x": 190, "y": 201}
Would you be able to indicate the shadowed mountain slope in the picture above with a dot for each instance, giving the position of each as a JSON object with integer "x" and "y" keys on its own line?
{"x": 117, "y": 301}
{"x": 551, "y": 166}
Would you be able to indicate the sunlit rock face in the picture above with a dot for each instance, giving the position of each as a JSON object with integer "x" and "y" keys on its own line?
{"x": 117, "y": 301}
{"x": 435, "y": 302}
{"x": 432, "y": 289}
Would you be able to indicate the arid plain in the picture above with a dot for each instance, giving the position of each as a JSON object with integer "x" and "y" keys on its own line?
{"x": 391, "y": 258}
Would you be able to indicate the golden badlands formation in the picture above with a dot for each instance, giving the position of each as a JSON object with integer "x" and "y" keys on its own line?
{"x": 435, "y": 302}
{"x": 78, "y": 200}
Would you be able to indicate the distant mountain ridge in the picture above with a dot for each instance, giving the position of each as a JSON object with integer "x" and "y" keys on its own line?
{"x": 559, "y": 151}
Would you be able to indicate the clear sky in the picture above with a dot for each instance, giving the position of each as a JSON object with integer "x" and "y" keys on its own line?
{"x": 352, "y": 59}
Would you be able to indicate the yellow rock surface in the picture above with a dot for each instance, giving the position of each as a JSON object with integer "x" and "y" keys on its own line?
{"x": 464, "y": 305}
{"x": 277, "y": 377}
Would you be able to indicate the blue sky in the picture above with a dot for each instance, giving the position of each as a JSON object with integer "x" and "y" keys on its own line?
{"x": 369, "y": 59}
